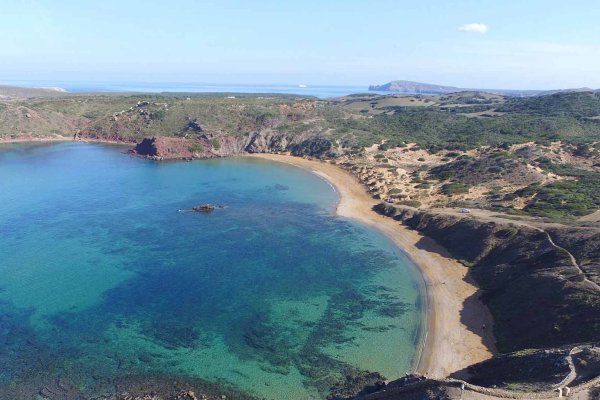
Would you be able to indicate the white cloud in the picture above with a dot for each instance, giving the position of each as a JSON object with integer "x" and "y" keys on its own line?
{"x": 476, "y": 28}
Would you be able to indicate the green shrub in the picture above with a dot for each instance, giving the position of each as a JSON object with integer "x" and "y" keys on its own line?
{"x": 196, "y": 148}
{"x": 504, "y": 154}
{"x": 157, "y": 115}
{"x": 564, "y": 199}
{"x": 410, "y": 203}
{"x": 445, "y": 175}
{"x": 455, "y": 188}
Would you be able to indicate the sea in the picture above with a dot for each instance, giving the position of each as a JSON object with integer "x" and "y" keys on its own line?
{"x": 106, "y": 274}
{"x": 319, "y": 91}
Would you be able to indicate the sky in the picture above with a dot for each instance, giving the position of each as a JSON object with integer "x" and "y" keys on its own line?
{"x": 524, "y": 44}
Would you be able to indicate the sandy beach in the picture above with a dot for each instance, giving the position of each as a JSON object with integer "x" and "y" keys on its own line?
{"x": 455, "y": 336}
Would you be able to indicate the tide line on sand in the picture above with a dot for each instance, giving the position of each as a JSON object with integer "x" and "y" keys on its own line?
{"x": 453, "y": 338}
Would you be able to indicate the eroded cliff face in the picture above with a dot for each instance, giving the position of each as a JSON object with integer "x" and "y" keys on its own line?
{"x": 208, "y": 146}
{"x": 171, "y": 148}
{"x": 265, "y": 142}
{"x": 584, "y": 245}
{"x": 222, "y": 127}
{"x": 538, "y": 296}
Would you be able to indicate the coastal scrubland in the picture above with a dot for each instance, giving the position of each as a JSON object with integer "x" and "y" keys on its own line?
{"x": 524, "y": 170}
{"x": 536, "y": 156}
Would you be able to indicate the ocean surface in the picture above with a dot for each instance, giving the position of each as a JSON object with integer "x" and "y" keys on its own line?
{"x": 320, "y": 91}
{"x": 104, "y": 275}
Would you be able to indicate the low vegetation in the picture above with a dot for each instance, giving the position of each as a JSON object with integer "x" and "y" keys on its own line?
{"x": 450, "y": 150}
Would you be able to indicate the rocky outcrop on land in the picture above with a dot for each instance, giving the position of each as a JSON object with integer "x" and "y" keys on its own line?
{"x": 265, "y": 142}
{"x": 303, "y": 145}
{"x": 533, "y": 374}
{"x": 314, "y": 147}
{"x": 161, "y": 148}
{"x": 165, "y": 148}
{"x": 539, "y": 370}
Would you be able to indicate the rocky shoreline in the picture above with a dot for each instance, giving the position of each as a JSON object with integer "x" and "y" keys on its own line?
{"x": 139, "y": 387}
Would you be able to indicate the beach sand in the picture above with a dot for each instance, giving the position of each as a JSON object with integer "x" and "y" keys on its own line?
{"x": 455, "y": 336}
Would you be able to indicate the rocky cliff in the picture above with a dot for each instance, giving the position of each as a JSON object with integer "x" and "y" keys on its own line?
{"x": 175, "y": 128}
{"x": 540, "y": 297}
{"x": 168, "y": 147}
{"x": 165, "y": 148}
{"x": 541, "y": 287}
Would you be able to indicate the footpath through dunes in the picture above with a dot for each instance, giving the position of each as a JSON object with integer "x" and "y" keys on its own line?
{"x": 459, "y": 326}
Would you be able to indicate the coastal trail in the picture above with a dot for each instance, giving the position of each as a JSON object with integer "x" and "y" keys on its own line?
{"x": 529, "y": 222}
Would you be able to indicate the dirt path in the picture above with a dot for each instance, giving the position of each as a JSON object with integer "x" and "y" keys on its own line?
{"x": 529, "y": 222}
{"x": 573, "y": 261}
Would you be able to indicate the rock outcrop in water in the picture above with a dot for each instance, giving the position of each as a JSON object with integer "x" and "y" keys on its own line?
{"x": 203, "y": 208}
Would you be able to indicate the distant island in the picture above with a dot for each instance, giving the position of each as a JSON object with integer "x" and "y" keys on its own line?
{"x": 411, "y": 87}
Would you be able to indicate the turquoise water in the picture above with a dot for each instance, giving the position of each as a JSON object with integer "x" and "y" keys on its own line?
{"x": 101, "y": 276}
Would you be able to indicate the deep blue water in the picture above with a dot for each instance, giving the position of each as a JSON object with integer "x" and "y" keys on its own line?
{"x": 101, "y": 276}
{"x": 320, "y": 91}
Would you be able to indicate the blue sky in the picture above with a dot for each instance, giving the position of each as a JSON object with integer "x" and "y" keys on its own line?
{"x": 526, "y": 43}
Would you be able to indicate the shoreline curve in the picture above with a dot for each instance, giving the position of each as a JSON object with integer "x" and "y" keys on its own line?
{"x": 453, "y": 337}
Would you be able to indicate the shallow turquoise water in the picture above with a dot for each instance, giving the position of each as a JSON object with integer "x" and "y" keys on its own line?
{"x": 101, "y": 276}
